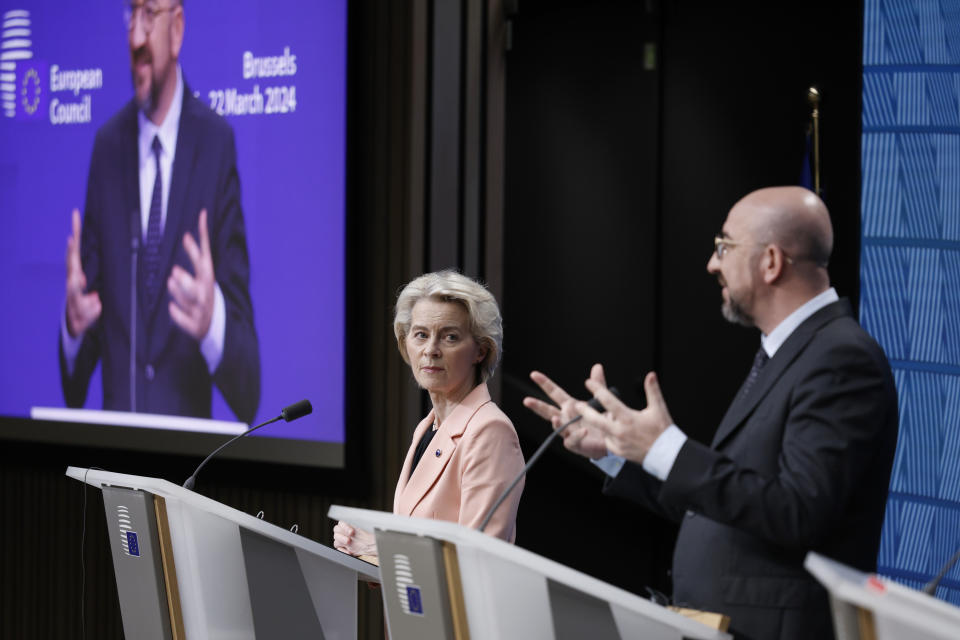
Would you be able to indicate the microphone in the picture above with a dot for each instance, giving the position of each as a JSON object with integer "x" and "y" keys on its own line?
{"x": 931, "y": 587}
{"x": 593, "y": 404}
{"x": 294, "y": 411}
{"x": 288, "y": 414}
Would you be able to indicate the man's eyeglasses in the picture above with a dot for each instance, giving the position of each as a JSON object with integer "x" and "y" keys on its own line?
{"x": 722, "y": 245}
{"x": 146, "y": 12}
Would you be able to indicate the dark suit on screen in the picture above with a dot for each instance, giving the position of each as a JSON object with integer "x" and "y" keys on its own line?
{"x": 172, "y": 374}
{"x": 801, "y": 462}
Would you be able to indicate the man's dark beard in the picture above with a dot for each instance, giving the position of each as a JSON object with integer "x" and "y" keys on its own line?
{"x": 149, "y": 106}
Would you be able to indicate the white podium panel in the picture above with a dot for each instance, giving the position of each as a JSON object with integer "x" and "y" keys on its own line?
{"x": 227, "y": 574}
{"x": 866, "y": 606}
{"x": 510, "y": 593}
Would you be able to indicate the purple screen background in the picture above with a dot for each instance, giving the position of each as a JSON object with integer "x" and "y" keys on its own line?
{"x": 292, "y": 177}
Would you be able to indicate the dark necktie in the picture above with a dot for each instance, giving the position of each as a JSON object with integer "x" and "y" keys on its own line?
{"x": 151, "y": 249}
{"x": 758, "y": 361}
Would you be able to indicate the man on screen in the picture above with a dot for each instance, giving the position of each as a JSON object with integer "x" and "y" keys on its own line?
{"x": 163, "y": 178}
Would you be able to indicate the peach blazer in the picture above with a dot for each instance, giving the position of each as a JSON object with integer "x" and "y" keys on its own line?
{"x": 472, "y": 458}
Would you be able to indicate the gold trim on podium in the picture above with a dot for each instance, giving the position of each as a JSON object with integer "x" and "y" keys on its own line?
{"x": 867, "y": 625}
{"x": 458, "y": 610}
{"x": 169, "y": 569}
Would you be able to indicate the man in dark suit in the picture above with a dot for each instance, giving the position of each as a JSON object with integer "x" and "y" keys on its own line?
{"x": 162, "y": 175}
{"x": 800, "y": 462}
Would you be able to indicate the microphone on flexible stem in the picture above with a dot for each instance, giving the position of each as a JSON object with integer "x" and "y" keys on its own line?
{"x": 134, "y": 250}
{"x": 594, "y": 404}
{"x": 931, "y": 587}
{"x": 289, "y": 414}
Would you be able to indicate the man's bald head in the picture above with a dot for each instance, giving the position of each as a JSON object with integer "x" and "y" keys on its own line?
{"x": 771, "y": 256}
{"x": 794, "y": 219}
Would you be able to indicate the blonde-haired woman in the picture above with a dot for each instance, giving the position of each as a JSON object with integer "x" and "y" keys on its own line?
{"x": 465, "y": 452}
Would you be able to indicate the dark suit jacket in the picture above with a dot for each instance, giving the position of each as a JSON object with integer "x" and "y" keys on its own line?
{"x": 801, "y": 463}
{"x": 172, "y": 375}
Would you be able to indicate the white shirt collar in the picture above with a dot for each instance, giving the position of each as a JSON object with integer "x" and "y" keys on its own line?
{"x": 779, "y": 335}
{"x": 167, "y": 131}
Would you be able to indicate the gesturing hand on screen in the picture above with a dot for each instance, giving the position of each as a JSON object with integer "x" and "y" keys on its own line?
{"x": 192, "y": 305}
{"x": 83, "y": 308}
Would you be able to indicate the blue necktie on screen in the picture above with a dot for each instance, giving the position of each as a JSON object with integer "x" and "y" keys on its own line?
{"x": 151, "y": 249}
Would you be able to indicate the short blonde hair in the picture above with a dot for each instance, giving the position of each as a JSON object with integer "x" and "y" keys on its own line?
{"x": 486, "y": 324}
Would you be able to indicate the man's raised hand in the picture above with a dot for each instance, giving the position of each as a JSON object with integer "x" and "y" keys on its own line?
{"x": 83, "y": 309}
{"x": 578, "y": 437}
{"x": 627, "y": 432}
{"x": 191, "y": 307}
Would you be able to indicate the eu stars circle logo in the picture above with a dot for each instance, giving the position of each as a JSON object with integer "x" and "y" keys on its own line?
{"x": 30, "y": 92}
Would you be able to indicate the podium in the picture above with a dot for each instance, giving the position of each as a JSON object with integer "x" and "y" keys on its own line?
{"x": 442, "y": 580}
{"x": 189, "y": 567}
{"x": 869, "y": 607}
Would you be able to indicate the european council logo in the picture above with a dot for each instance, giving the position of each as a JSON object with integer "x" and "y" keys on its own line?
{"x": 17, "y": 90}
{"x": 128, "y": 537}
{"x": 407, "y": 592}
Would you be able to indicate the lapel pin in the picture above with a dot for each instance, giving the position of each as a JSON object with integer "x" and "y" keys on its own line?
{"x": 437, "y": 453}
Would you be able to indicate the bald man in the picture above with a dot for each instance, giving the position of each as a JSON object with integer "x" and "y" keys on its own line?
{"x": 800, "y": 462}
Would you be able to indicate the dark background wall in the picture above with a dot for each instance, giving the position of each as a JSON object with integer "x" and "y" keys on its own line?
{"x": 581, "y": 254}
{"x": 615, "y": 178}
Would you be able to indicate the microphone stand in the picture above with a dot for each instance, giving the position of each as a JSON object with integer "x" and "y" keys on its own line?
{"x": 931, "y": 587}
{"x": 134, "y": 252}
{"x": 289, "y": 414}
{"x": 536, "y": 456}
{"x": 188, "y": 484}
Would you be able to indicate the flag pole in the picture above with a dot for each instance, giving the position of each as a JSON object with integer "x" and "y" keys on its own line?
{"x": 813, "y": 97}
